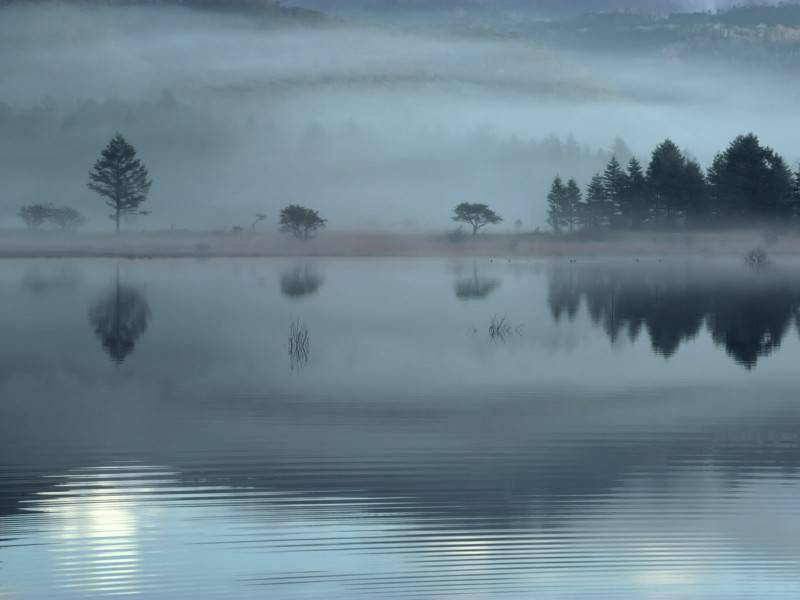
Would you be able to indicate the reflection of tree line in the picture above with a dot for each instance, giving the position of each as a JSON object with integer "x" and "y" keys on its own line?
{"x": 748, "y": 316}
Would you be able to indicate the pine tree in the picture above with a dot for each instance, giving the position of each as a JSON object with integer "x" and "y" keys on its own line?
{"x": 665, "y": 178}
{"x": 572, "y": 205}
{"x": 695, "y": 188}
{"x": 636, "y": 205}
{"x": 556, "y": 205}
{"x": 595, "y": 212}
{"x": 749, "y": 180}
{"x": 615, "y": 183}
{"x": 796, "y": 194}
{"x": 120, "y": 178}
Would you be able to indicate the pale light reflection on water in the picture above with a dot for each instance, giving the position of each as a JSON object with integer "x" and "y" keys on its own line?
{"x": 633, "y": 436}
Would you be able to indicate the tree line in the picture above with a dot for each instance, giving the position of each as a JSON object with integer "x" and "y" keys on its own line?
{"x": 746, "y": 183}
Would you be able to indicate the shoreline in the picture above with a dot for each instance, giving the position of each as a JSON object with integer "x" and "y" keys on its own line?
{"x": 158, "y": 245}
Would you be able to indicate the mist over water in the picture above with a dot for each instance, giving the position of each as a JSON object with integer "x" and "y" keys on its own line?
{"x": 377, "y": 126}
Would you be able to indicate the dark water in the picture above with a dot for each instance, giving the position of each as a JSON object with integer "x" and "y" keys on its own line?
{"x": 629, "y": 431}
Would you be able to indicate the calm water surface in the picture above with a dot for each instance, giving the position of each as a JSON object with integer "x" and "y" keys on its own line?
{"x": 627, "y": 430}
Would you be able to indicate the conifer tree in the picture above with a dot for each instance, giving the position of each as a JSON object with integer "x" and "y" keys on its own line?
{"x": 615, "y": 183}
{"x": 749, "y": 180}
{"x": 636, "y": 203}
{"x": 595, "y": 214}
{"x": 120, "y": 178}
{"x": 572, "y": 206}
{"x": 796, "y": 194}
{"x": 556, "y": 201}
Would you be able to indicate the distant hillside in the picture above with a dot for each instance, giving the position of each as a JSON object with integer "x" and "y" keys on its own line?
{"x": 522, "y": 6}
{"x": 764, "y": 34}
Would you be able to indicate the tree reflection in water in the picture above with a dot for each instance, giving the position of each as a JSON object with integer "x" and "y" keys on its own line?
{"x": 475, "y": 287}
{"x": 119, "y": 319}
{"x": 748, "y": 314}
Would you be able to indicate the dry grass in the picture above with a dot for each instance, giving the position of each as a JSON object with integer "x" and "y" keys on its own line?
{"x": 184, "y": 244}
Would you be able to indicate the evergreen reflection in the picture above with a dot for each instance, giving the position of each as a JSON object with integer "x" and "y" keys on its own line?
{"x": 119, "y": 319}
{"x": 748, "y": 314}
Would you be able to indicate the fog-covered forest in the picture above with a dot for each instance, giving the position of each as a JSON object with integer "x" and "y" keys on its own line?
{"x": 242, "y": 108}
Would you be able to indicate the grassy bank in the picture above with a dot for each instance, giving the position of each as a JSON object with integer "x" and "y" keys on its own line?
{"x": 187, "y": 244}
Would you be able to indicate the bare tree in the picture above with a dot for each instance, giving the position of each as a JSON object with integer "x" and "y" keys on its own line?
{"x": 259, "y": 217}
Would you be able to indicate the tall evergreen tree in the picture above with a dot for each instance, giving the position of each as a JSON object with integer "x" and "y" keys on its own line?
{"x": 120, "y": 178}
{"x": 594, "y": 213}
{"x": 572, "y": 205}
{"x": 615, "y": 182}
{"x": 556, "y": 201}
{"x": 636, "y": 207}
{"x": 749, "y": 180}
{"x": 796, "y": 195}
{"x": 696, "y": 206}
{"x": 665, "y": 180}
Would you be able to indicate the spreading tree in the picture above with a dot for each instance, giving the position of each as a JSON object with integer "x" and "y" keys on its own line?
{"x": 300, "y": 221}
{"x": 34, "y": 215}
{"x": 120, "y": 178}
{"x": 66, "y": 218}
{"x": 476, "y": 215}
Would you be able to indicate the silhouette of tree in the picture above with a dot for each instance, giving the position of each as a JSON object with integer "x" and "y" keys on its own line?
{"x": 615, "y": 183}
{"x": 34, "y": 215}
{"x": 749, "y": 180}
{"x": 119, "y": 320}
{"x": 476, "y": 215}
{"x": 66, "y": 217}
{"x": 572, "y": 205}
{"x": 666, "y": 178}
{"x": 696, "y": 207}
{"x": 635, "y": 207}
{"x": 594, "y": 211}
{"x": 796, "y": 194}
{"x": 259, "y": 217}
{"x": 556, "y": 205}
{"x": 300, "y": 281}
{"x": 120, "y": 178}
{"x": 300, "y": 221}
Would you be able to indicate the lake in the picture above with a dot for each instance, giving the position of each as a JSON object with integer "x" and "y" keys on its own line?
{"x": 370, "y": 428}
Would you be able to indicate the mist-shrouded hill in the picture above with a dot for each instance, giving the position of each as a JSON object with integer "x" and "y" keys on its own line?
{"x": 548, "y": 7}
{"x": 374, "y": 126}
